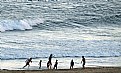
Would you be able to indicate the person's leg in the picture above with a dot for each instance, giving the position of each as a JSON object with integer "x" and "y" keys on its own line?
{"x": 83, "y": 65}
{"x": 25, "y": 66}
{"x": 28, "y": 66}
{"x": 50, "y": 66}
{"x": 47, "y": 67}
{"x": 39, "y": 67}
{"x": 70, "y": 67}
{"x": 56, "y": 67}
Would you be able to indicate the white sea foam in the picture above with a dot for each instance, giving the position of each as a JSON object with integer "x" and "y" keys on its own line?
{"x": 18, "y": 24}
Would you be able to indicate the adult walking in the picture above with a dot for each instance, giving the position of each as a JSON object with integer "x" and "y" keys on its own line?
{"x": 49, "y": 62}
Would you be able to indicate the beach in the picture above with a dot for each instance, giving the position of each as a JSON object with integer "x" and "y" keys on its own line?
{"x": 68, "y": 29}
{"x": 76, "y": 70}
{"x": 63, "y": 63}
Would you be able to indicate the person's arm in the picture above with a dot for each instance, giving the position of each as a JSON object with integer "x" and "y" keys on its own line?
{"x": 26, "y": 61}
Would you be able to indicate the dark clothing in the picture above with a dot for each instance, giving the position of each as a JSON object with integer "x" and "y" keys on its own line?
{"x": 55, "y": 66}
{"x": 48, "y": 64}
{"x": 40, "y": 64}
{"x": 83, "y": 60}
{"x": 50, "y": 58}
{"x": 27, "y": 62}
{"x": 72, "y": 64}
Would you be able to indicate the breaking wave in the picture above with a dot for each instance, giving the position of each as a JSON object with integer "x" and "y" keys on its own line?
{"x": 28, "y": 24}
{"x": 25, "y": 24}
{"x": 75, "y": 13}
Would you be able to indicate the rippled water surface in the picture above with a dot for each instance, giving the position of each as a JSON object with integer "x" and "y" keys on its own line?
{"x": 64, "y": 28}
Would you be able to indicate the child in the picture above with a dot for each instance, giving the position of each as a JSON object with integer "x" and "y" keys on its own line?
{"x": 83, "y": 61}
{"x": 71, "y": 64}
{"x": 40, "y": 64}
{"x": 56, "y": 63}
{"x": 27, "y": 62}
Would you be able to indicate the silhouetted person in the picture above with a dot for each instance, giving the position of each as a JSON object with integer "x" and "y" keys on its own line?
{"x": 71, "y": 64}
{"x": 27, "y": 62}
{"x": 56, "y": 63}
{"x": 50, "y": 58}
{"x": 40, "y": 64}
{"x": 83, "y": 62}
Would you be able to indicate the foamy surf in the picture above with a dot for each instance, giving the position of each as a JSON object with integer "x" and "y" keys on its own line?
{"x": 25, "y": 24}
{"x": 67, "y": 29}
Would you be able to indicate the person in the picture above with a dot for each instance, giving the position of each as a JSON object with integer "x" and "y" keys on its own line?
{"x": 50, "y": 63}
{"x": 50, "y": 58}
{"x": 83, "y": 61}
{"x": 27, "y": 62}
{"x": 71, "y": 64}
{"x": 56, "y": 63}
{"x": 40, "y": 64}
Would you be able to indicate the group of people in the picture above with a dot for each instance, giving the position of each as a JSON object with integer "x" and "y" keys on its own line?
{"x": 82, "y": 61}
{"x": 49, "y": 63}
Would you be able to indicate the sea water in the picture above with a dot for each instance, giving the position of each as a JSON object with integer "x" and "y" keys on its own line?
{"x": 66, "y": 29}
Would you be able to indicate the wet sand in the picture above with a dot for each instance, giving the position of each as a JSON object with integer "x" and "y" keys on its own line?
{"x": 76, "y": 70}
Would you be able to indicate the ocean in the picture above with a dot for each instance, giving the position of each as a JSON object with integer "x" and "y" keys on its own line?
{"x": 66, "y": 28}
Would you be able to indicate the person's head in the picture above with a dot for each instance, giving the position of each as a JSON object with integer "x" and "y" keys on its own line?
{"x": 51, "y": 54}
{"x": 30, "y": 58}
{"x": 40, "y": 60}
{"x": 82, "y": 56}
{"x": 56, "y": 60}
{"x": 72, "y": 60}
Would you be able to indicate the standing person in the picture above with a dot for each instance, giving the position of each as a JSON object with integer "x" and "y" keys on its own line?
{"x": 56, "y": 63}
{"x": 40, "y": 64}
{"x": 71, "y": 64}
{"x": 50, "y": 58}
{"x": 83, "y": 62}
{"x": 27, "y": 62}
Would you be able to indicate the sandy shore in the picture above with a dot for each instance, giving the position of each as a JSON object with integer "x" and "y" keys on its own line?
{"x": 76, "y": 70}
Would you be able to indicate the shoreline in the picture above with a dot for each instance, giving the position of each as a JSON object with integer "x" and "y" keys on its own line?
{"x": 63, "y": 63}
{"x": 75, "y": 70}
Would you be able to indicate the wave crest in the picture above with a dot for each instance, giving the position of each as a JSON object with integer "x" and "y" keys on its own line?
{"x": 25, "y": 24}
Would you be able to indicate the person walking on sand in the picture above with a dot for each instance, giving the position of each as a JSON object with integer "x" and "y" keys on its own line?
{"x": 27, "y": 62}
{"x": 83, "y": 62}
{"x": 50, "y": 58}
{"x": 56, "y": 63}
{"x": 71, "y": 64}
{"x": 40, "y": 64}
{"x": 50, "y": 63}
